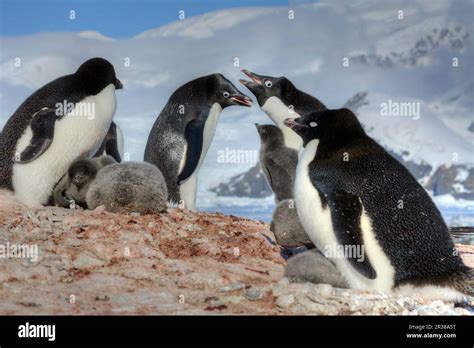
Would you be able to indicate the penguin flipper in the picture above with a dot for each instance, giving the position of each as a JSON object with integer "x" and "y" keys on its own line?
{"x": 280, "y": 170}
{"x": 346, "y": 211}
{"x": 268, "y": 176}
{"x": 194, "y": 138}
{"x": 111, "y": 145}
{"x": 42, "y": 126}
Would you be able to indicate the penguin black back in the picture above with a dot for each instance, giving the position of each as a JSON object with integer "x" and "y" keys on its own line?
{"x": 353, "y": 175}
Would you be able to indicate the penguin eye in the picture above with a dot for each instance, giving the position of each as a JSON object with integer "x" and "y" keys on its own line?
{"x": 268, "y": 83}
{"x": 226, "y": 94}
{"x": 313, "y": 124}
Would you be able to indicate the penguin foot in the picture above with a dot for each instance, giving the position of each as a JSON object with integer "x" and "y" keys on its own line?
{"x": 467, "y": 305}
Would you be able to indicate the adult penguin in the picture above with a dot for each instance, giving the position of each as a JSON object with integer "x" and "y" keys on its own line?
{"x": 63, "y": 121}
{"x": 182, "y": 133}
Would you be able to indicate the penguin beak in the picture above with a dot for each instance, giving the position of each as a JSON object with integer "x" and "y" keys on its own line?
{"x": 254, "y": 77}
{"x": 289, "y": 122}
{"x": 242, "y": 99}
{"x": 293, "y": 124}
{"x": 118, "y": 84}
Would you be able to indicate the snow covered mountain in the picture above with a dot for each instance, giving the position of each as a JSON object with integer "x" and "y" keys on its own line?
{"x": 329, "y": 49}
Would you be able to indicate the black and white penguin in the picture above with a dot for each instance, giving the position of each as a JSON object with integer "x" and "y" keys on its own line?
{"x": 63, "y": 121}
{"x": 353, "y": 197}
{"x": 113, "y": 144}
{"x": 278, "y": 162}
{"x": 182, "y": 133}
{"x": 280, "y": 99}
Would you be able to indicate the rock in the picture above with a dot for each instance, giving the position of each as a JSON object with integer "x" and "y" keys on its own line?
{"x": 324, "y": 289}
{"x": 86, "y": 260}
{"x": 249, "y": 184}
{"x": 356, "y": 101}
{"x": 141, "y": 265}
{"x": 253, "y": 294}
{"x": 232, "y": 287}
{"x": 149, "y": 264}
{"x": 418, "y": 170}
{"x": 457, "y": 180}
{"x": 471, "y": 127}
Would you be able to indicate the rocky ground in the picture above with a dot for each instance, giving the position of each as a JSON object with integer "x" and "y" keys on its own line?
{"x": 94, "y": 262}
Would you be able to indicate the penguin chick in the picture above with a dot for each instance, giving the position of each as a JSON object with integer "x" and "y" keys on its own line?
{"x": 311, "y": 266}
{"x": 129, "y": 187}
{"x": 286, "y": 226}
{"x": 278, "y": 162}
{"x": 73, "y": 186}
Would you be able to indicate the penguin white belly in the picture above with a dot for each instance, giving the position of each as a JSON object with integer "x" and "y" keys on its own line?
{"x": 278, "y": 112}
{"x": 317, "y": 222}
{"x": 120, "y": 142}
{"x": 188, "y": 189}
{"x": 76, "y": 135}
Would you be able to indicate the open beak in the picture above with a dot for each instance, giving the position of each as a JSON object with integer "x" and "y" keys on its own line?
{"x": 293, "y": 123}
{"x": 242, "y": 100}
{"x": 254, "y": 77}
{"x": 118, "y": 84}
{"x": 289, "y": 122}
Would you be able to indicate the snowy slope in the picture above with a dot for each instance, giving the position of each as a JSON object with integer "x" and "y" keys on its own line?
{"x": 309, "y": 50}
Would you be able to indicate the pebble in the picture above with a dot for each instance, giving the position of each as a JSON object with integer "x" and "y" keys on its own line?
{"x": 86, "y": 260}
{"x": 253, "y": 295}
{"x": 98, "y": 211}
{"x": 283, "y": 302}
{"x": 284, "y": 281}
{"x": 324, "y": 289}
{"x": 232, "y": 287}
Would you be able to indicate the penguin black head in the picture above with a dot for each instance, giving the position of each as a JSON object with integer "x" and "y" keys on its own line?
{"x": 225, "y": 93}
{"x": 264, "y": 87}
{"x": 270, "y": 133}
{"x": 95, "y": 74}
{"x": 334, "y": 125}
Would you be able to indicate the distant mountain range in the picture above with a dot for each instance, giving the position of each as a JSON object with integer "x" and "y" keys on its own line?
{"x": 425, "y": 58}
{"x": 456, "y": 180}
